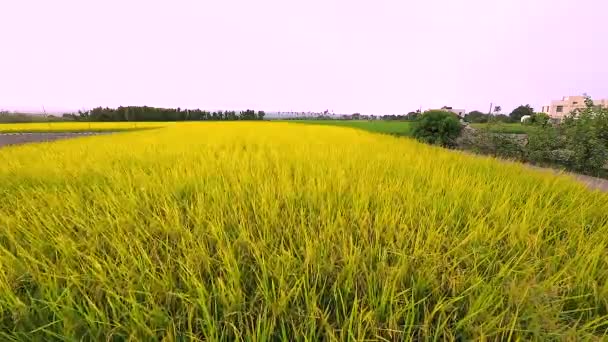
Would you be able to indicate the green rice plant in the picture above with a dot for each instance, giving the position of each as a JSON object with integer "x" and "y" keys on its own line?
{"x": 393, "y": 127}
{"x": 279, "y": 231}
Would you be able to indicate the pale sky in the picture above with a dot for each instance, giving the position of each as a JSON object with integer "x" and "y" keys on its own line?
{"x": 374, "y": 56}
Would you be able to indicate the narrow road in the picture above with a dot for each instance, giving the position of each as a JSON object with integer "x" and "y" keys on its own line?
{"x": 593, "y": 183}
{"x": 24, "y": 138}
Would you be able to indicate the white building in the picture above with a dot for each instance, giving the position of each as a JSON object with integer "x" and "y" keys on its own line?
{"x": 459, "y": 112}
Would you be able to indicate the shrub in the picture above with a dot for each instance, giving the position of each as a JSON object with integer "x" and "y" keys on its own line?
{"x": 486, "y": 141}
{"x": 438, "y": 127}
{"x": 547, "y": 146}
{"x": 538, "y": 119}
{"x": 584, "y": 138}
{"x": 580, "y": 143}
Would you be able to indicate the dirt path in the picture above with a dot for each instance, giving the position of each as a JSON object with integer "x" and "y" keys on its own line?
{"x": 593, "y": 183}
{"x": 24, "y": 138}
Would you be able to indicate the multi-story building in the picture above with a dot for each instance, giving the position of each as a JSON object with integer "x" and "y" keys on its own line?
{"x": 560, "y": 108}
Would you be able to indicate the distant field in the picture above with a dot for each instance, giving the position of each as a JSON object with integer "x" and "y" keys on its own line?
{"x": 269, "y": 231}
{"x": 511, "y": 128}
{"x": 378, "y": 126}
{"x": 401, "y": 128}
{"x": 56, "y": 127}
{"x": 404, "y": 128}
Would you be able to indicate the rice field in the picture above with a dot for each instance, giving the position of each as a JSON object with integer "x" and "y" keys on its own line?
{"x": 393, "y": 127}
{"x": 43, "y": 127}
{"x": 279, "y": 231}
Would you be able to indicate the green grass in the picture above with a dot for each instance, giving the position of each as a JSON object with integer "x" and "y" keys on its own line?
{"x": 276, "y": 231}
{"x": 401, "y": 128}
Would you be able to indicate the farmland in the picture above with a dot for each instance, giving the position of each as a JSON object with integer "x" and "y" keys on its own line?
{"x": 404, "y": 128}
{"x": 273, "y": 230}
{"x": 393, "y": 127}
{"x": 43, "y": 127}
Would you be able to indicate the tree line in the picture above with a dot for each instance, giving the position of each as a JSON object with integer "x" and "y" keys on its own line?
{"x": 145, "y": 113}
{"x": 515, "y": 116}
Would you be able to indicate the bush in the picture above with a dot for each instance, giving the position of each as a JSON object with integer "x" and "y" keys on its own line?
{"x": 486, "y": 141}
{"x": 585, "y": 139}
{"x": 538, "y": 119}
{"x": 580, "y": 143}
{"x": 547, "y": 146}
{"x": 438, "y": 127}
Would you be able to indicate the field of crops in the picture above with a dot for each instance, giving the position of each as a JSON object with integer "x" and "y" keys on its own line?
{"x": 78, "y": 126}
{"x": 281, "y": 231}
{"x": 393, "y": 127}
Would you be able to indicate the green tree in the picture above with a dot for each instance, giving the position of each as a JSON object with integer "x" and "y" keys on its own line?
{"x": 499, "y": 118}
{"x": 476, "y": 117}
{"x": 249, "y": 114}
{"x": 438, "y": 127}
{"x": 521, "y": 111}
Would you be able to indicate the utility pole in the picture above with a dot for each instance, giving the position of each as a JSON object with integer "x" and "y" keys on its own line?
{"x": 490, "y": 112}
{"x": 46, "y": 116}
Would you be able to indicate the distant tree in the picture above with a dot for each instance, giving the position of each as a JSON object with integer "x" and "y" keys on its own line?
{"x": 69, "y": 116}
{"x": 497, "y": 110}
{"x": 476, "y": 117}
{"x": 521, "y": 111}
{"x": 413, "y": 115}
{"x": 84, "y": 115}
{"x": 249, "y": 114}
{"x": 499, "y": 118}
{"x": 261, "y": 115}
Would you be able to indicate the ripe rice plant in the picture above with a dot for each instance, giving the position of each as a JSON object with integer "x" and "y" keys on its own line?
{"x": 38, "y": 127}
{"x": 280, "y": 231}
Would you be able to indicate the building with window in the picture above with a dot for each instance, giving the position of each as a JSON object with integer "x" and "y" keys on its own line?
{"x": 560, "y": 108}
